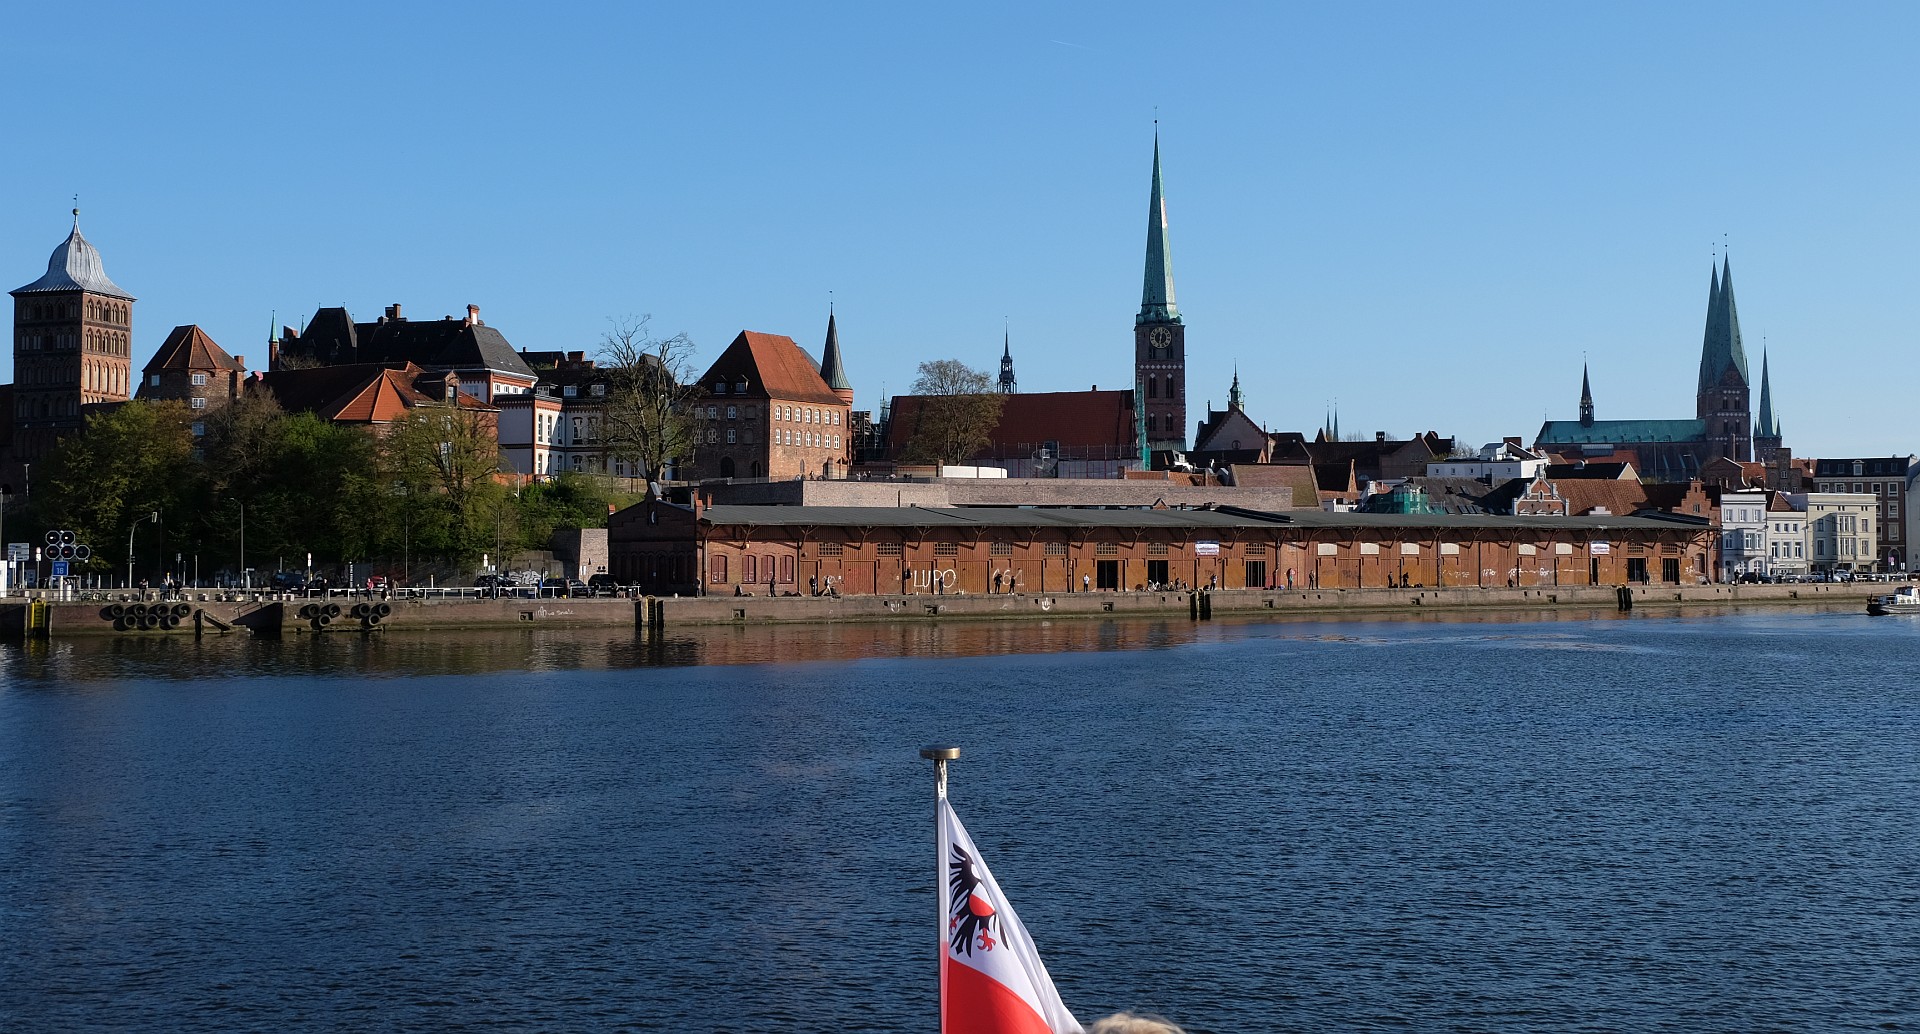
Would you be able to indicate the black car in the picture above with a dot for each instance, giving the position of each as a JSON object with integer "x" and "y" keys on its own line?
{"x": 570, "y": 588}
{"x": 603, "y": 585}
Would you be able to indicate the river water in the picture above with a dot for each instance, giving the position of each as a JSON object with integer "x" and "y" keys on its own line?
{"x": 1505, "y": 823}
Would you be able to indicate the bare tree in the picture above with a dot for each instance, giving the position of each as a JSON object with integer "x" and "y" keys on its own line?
{"x": 958, "y": 412}
{"x": 647, "y": 420}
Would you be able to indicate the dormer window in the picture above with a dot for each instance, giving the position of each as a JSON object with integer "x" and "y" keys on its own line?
{"x": 570, "y": 391}
{"x": 740, "y": 386}
{"x": 598, "y": 389}
{"x": 719, "y": 387}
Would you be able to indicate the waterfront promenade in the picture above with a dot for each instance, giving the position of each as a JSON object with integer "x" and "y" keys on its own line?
{"x": 261, "y": 615}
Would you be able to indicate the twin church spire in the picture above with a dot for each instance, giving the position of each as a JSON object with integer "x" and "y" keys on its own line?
{"x": 1721, "y": 348}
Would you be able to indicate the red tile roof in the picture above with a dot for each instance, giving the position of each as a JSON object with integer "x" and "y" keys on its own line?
{"x": 774, "y": 366}
{"x": 189, "y": 348}
{"x": 1083, "y": 424}
{"x": 363, "y": 393}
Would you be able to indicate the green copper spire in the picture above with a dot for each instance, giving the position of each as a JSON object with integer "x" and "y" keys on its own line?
{"x": 1768, "y": 425}
{"x": 1721, "y": 347}
{"x": 1156, "y": 296}
{"x": 1236, "y": 400}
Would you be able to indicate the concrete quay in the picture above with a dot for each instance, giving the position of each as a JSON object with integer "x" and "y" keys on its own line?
{"x": 357, "y": 615}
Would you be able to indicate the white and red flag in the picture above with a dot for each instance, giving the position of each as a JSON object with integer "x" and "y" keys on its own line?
{"x": 991, "y": 979}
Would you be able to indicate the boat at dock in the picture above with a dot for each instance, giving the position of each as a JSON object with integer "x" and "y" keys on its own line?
{"x": 1906, "y": 600}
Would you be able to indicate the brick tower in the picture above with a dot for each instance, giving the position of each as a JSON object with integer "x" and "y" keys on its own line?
{"x": 72, "y": 346}
{"x": 1159, "y": 335}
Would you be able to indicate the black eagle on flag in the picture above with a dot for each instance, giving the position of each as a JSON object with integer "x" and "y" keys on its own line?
{"x": 971, "y": 919}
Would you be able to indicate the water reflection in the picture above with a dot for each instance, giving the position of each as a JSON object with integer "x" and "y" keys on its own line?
{"x": 82, "y": 660}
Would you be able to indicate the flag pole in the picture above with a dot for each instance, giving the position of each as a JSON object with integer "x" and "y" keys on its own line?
{"x": 940, "y": 755}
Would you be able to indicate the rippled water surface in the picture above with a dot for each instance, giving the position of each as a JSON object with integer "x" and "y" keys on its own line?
{"x": 1657, "y": 823}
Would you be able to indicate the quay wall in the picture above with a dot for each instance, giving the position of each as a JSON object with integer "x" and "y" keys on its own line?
{"x": 285, "y": 617}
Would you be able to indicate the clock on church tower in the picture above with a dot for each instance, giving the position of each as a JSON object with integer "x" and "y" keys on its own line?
{"x": 1159, "y": 334}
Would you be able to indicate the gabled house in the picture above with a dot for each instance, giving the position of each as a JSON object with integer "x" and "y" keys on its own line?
{"x": 485, "y": 362}
{"x": 765, "y": 411}
{"x": 191, "y": 367}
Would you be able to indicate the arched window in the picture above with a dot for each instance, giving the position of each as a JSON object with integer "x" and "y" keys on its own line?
{"x": 726, "y": 466}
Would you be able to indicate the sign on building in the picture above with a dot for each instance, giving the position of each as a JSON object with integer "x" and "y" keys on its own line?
{"x": 1600, "y": 548}
{"x": 1206, "y": 548}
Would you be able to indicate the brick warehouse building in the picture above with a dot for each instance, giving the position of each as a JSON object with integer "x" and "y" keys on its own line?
{"x": 668, "y": 548}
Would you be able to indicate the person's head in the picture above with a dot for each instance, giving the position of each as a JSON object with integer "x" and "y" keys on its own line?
{"x": 1128, "y": 1023}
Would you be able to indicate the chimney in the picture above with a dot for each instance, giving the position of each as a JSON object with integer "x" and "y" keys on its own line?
{"x": 1515, "y": 442}
{"x": 1379, "y": 436}
{"x": 473, "y": 316}
{"x": 576, "y": 357}
{"x": 393, "y": 311}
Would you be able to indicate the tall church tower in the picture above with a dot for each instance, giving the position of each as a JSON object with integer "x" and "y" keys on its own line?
{"x": 1724, "y": 399}
{"x": 72, "y": 346}
{"x": 1159, "y": 336}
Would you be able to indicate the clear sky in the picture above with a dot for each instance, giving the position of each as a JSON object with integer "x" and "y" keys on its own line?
{"x": 1430, "y": 212}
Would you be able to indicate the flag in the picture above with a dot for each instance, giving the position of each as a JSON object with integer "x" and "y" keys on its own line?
{"x": 991, "y": 979}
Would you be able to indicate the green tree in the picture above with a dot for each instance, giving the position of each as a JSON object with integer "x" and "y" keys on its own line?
{"x": 131, "y": 460}
{"x": 450, "y": 454}
{"x": 957, "y": 415}
{"x": 647, "y": 418}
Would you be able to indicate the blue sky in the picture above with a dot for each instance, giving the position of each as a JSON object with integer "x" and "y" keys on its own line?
{"x": 1430, "y": 212}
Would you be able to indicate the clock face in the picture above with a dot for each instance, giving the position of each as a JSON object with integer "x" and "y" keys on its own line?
{"x": 1160, "y": 337}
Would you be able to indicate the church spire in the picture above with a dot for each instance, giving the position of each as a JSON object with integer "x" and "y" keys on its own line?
{"x": 1008, "y": 384}
{"x": 1721, "y": 347}
{"x": 1769, "y": 425}
{"x": 1236, "y": 400}
{"x": 832, "y": 370}
{"x": 1586, "y": 398}
{"x": 1156, "y": 295}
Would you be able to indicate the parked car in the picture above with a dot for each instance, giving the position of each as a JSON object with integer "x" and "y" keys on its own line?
{"x": 603, "y": 585}
{"x": 564, "y": 588}
{"x": 289, "y": 581}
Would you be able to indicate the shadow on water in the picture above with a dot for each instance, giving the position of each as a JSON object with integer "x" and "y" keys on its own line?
{"x": 469, "y": 653}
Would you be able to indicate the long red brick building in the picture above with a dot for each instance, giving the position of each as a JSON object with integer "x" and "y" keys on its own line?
{"x": 665, "y": 548}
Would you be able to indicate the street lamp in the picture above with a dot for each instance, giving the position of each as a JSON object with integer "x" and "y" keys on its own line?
{"x": 243, "y": 546}
{"x": 6, "y": 564}
{"x": 155, "y": 518}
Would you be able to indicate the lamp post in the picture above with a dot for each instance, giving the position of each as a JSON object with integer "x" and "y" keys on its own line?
{"x": 6, "y": 563}
{"x": 243, "y": 546}
{"x": 155, "y": 518}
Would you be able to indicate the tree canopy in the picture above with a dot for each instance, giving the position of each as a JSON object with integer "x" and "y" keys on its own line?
{"x": 958, "y": 412}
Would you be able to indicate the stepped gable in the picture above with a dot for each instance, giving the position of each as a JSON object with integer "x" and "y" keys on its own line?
{"x": 189, "y": 348}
